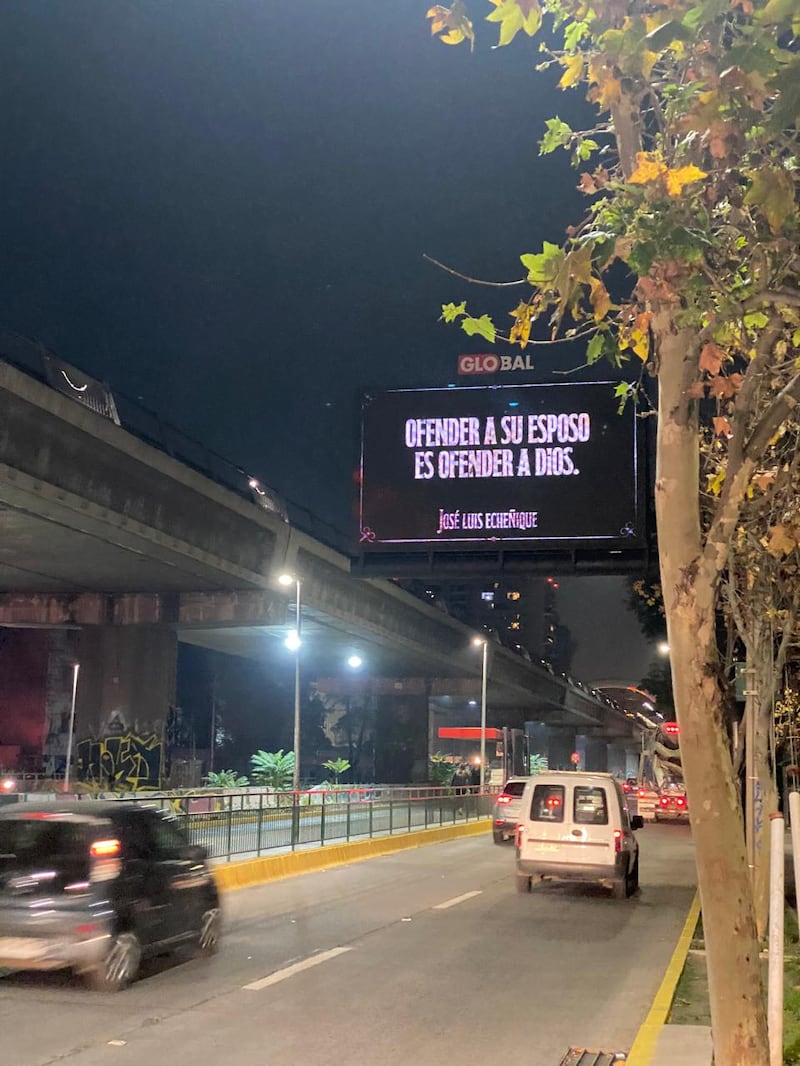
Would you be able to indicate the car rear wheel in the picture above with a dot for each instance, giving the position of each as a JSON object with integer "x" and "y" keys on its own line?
{"x": 120, "y": 966}
{"x": 632, "y": 880}
{"x": 523, "y": 885}
{"x": 208, "y": 938}
{"x": 498, "y": 836}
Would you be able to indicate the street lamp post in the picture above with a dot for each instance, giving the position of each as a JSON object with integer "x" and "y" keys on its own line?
{"x": 485, "y": 663}
{"x": 293, "y": 642}
{"x": 75, "y": 669}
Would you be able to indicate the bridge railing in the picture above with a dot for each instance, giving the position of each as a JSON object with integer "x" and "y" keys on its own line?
{"x": 258, "y": 822}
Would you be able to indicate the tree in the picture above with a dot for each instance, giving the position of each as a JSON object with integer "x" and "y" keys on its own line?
{"x": 337, "y": 767}
{"x": 273, "y": 769}
{"x": 693, "y": 188}
{"x": 226, "y": 779}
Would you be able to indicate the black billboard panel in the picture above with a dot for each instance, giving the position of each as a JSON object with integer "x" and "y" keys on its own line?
{"x": 502, "y": 467}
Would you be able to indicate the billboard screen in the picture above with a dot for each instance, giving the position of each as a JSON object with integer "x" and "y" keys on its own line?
{"x": 501, "y": 466}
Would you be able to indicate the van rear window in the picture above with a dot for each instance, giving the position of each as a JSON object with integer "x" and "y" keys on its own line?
{"x": 31, "y": 845}
{"x": 548, "y": 803}
{"x": 590, "y": 806}
{"x": 514, "y": 788}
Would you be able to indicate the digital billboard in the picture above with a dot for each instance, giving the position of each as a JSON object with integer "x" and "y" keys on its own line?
{"x": 498, "y": 466}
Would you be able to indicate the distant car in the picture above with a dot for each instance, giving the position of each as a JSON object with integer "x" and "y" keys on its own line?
{"x": 506, "y": 809}
{"x": 97, "y": 886}
{"x": 672, "y": 806}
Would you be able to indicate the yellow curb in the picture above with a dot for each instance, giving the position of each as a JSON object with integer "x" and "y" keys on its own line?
{"x": 248, "y": 872}
{"x": 644, "y": 1045}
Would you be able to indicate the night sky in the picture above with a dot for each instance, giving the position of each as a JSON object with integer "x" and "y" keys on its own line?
{"x": 221, "y": 207}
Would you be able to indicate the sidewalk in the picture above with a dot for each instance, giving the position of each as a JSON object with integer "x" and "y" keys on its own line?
{"x": 683, "y": 1045}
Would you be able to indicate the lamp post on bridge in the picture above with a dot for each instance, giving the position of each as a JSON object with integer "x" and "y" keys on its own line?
{"x": 478, "y": 642}
{"x": 293, "y": 643}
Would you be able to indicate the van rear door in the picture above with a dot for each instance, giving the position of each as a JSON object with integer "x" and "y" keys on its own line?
{"x": 591, "y": 833}
{"x": 568, "y": 823}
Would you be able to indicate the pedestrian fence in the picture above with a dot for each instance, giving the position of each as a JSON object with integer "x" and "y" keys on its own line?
{"x": 252, "y": 822}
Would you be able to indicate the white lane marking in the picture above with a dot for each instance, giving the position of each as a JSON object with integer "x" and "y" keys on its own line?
{"x": 296, "y": 967}
{"x": 456, "y": 900}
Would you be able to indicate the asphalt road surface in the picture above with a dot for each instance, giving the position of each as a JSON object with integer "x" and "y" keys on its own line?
{"x": 420, "y": 958}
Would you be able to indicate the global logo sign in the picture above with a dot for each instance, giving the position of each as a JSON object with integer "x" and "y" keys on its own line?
{"x": 490, "y": 363}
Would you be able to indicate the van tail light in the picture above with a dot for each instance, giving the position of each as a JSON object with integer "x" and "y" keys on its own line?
{"x": 104, "y": 849}
{"x": 518, "y": 835}
{"x": 503, "y": 799}
{"x": 642, "y": 793}
{"x": 106, "y": 863}
{"x": 617, "y": 841}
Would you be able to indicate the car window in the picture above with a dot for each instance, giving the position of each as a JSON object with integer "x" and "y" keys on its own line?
{"x": 547, "y": 804}
{"x": 33, "y": 844}
{"x": 514, "y": 788}
{"x": 589, "y": 806}
{"x": 169, "y": 840}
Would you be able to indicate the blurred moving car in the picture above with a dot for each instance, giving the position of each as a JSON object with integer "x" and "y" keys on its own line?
{"x": 506, "y": 810}
{"x": 97, "y": 886}
{"x": 629, "y": 785}
{"x": 672, "y": 806}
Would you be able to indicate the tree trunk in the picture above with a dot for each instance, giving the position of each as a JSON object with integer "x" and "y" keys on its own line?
{"x": 689, "y": 582}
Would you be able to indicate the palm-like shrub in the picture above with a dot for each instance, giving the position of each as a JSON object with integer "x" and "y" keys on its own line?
{"x": 273, "y": 769}
{"x": 225, "y": 779}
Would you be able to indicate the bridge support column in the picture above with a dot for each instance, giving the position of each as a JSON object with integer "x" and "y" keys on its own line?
{"x": 125, "y": 688}
{"x": 401, "y": 738}
{"x": 615, "y": 760}
{"x": 594, "y": 754}
{"x": 560, "y": 745}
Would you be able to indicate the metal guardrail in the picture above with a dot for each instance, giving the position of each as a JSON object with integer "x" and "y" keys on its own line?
{"x": 255, "y": 823}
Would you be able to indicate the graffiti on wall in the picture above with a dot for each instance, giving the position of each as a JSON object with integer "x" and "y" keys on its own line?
{"x": 127, "y": 761}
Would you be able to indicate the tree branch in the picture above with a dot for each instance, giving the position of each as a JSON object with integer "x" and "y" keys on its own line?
{"x": 780, "y": 409}
{"x": 473, "y": 281}
{"x": 772, "y": 296}
{"x": 745, "y": 395}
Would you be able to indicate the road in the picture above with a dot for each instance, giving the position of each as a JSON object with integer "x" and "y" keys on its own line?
{"x": 420, "y": 957}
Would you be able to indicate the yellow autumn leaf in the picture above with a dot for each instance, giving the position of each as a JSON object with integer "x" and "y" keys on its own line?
{"x": 521, "y": 330}
{"x": 648, "y": 168}
{"x": 681, "y": 176}
{"x": 640, "y": 342}
{"x": 714, "y": 482}
{"x": 780, "y": 541}
{"x": 573, "y": 71}
{"x": 601, "y": 301}
{"x": 610, "y": 92}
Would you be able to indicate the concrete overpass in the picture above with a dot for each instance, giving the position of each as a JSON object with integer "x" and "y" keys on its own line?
{"x": 106, "y": 532}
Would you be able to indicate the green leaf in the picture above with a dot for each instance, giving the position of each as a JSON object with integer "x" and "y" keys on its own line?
{"x": 586, "y": 147}
{"x": 558, "y": 135}
{"x": 483, "y": 327}
{"x": 772, "y": 190}
{"x": 623, "y": 393}
{"x": 594, "y": 349}
{"x": 543, "y": 267}
{"x": 450, "y": 312}
{"x": 755, "y": 320}
{"x": 777, "y": 11}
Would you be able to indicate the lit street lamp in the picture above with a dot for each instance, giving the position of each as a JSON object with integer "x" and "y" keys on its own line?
{"x": 483, "y": 641}
{"x": 75, "y": 669}
{"x": 663, "y": 648}
{"x": 355, "y": 661}
{"x": 293, "y": 643}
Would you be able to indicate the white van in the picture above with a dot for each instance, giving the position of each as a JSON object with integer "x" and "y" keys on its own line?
{"x": 575, "y": 826}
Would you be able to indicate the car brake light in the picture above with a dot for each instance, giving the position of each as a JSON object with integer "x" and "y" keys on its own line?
{"x": 503, "y": 799}
{"x": 664, "y": 801}
{"x": 681, "y": 801}
{"x": 87, "y": 927}
{"x": 642, "y": 793}
{"x": 617, "y": 840}
{"x": 553, "y": 801}
{"x": 104, "y": 849}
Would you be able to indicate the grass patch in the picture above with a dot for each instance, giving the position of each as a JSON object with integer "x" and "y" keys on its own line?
{"x": 690, "y": 1005}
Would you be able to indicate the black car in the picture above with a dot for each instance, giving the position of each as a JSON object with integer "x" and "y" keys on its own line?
{"x": 97, "y": 886}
